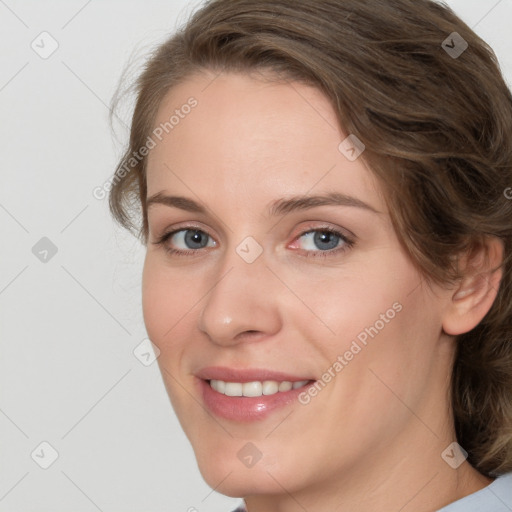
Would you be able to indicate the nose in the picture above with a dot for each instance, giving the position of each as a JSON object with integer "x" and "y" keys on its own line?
{"x": 242, "y": 303}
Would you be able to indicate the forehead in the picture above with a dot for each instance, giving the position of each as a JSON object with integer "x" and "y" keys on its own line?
{"x": 246, "y": 134}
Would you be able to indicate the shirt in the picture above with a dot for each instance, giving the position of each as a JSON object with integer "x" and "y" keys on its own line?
{"x": 496, "y": 497}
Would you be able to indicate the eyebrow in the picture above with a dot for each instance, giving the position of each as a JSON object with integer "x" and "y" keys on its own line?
{"x": 278, "y": 207}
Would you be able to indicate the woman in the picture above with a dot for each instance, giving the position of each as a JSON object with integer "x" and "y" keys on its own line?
{"x": 325, "y": 198}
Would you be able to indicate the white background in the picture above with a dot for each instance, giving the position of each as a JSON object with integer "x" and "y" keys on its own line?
{"x": 68, "y": 327}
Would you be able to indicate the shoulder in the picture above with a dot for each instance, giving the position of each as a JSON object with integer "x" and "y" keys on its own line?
{"x": 240, "y": 508}
{"x": 496, "y": 497}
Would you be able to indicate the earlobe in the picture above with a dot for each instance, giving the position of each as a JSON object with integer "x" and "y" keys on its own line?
{"x": 476, "y": 292}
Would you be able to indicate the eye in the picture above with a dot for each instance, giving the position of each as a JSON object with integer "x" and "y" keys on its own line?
{"x": 323, "y": 242}
{"x": 192, "y": 238}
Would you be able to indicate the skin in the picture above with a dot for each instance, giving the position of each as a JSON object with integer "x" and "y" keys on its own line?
{"x": 372, "y": 439}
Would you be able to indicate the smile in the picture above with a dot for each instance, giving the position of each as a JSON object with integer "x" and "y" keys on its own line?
{"x": 256, "y": 388}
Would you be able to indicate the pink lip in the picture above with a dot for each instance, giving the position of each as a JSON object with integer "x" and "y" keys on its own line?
{"x": 246, "y": 375}
{"x": 242, "y": 408}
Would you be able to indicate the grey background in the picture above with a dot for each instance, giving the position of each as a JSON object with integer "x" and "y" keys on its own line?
{"x": 70, "y": 321}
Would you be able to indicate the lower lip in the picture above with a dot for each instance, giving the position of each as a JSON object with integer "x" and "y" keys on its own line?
{"x": 245, "y": 408}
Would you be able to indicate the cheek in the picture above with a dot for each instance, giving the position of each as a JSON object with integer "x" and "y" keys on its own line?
{"x": 357, "y": 303}
{"x": 373, "y": 316}
{"x": 165, "y": 301}
{"x": 154, "y": 302}
{"x": 167, "y": 305}
{"x": 384, "y": 355}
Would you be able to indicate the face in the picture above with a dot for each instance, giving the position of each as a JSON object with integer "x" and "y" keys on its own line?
{"x": 318, "y": 293}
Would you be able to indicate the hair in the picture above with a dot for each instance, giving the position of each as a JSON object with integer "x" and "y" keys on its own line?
{"x": 437, "y": 129}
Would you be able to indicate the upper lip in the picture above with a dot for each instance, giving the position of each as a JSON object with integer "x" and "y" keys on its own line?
{"x": 246, "y": 375}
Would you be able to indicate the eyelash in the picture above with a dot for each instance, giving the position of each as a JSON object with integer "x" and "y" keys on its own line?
{"x": 347, "y": 242}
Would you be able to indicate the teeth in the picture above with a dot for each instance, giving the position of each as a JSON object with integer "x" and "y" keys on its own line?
{"x": 287, "y": 385}
{"x": 233, "y": 389}
{"x": 256, "y": 388}
{"x": 252, "y": 389}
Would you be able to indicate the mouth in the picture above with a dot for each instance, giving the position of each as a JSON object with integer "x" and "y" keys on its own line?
{"x": 247, "y": 395}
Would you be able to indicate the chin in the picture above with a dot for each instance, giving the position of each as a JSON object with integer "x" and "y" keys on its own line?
{"x": 240, "y": 486}
{"x": 236, "y": 481}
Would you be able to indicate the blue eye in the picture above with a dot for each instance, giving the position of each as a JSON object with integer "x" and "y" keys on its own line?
{"x": 194, "y": 238}
{"x": 324, "y": 242}
{"x": 320, "y": 242}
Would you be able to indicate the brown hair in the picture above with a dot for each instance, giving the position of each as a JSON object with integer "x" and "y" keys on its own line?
{"x": 438, "y": 134}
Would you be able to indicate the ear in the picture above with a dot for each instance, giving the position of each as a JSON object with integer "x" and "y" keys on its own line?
{"x": 476, "y": 291}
